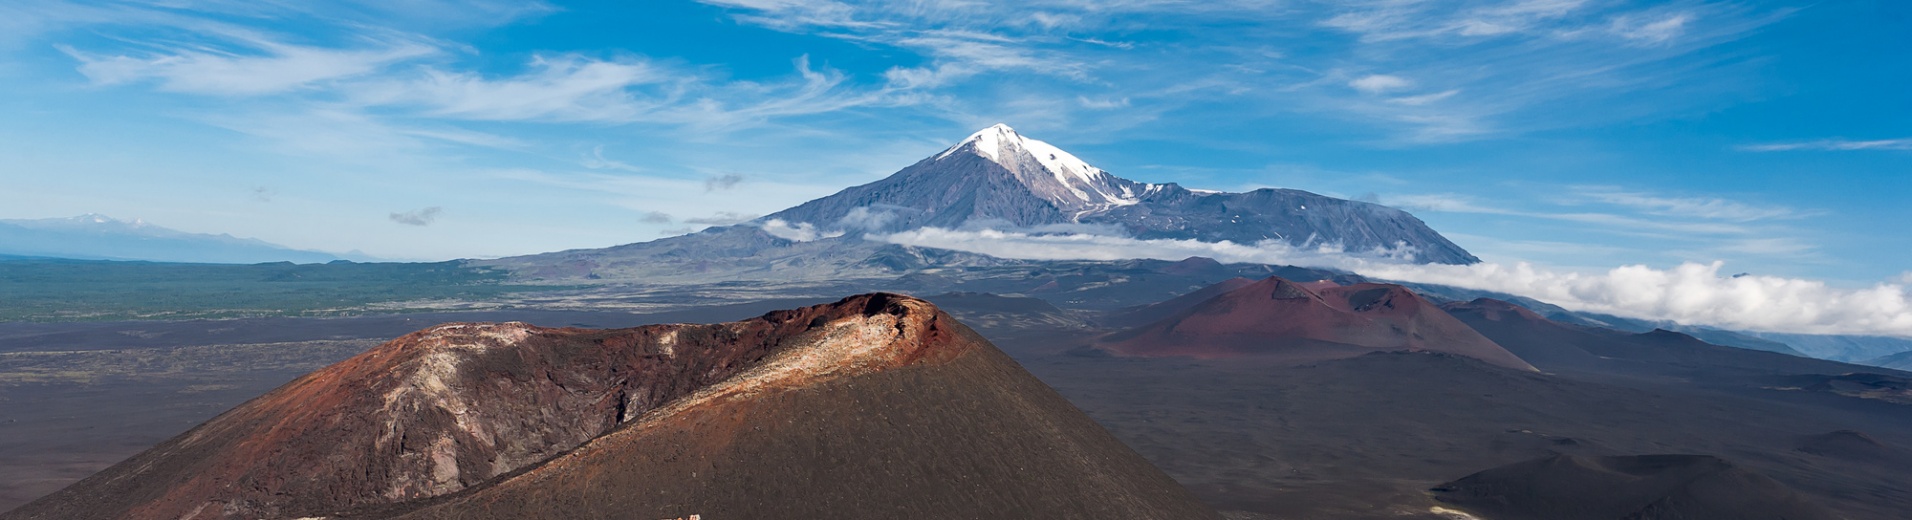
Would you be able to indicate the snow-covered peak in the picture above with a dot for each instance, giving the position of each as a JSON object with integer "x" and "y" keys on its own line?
{"x": 1088, "y": 184}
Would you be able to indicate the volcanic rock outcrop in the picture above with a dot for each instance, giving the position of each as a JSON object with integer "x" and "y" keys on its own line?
{"x": 877, "y": 406}
{"x": 1648, "y": 487}
{"x": 1280, "y": 319}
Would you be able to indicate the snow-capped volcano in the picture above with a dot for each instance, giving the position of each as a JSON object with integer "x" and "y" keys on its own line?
{"x": 1052, "y": 173}
{"x": 997, "y": 178}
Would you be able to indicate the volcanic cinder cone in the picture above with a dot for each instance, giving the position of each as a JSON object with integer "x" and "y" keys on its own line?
{"x": 877, "y": 406}
{"x": 1279, "y": 319}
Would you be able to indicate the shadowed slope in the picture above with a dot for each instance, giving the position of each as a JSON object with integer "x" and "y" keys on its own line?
{"x": 456, "y": 409}
{"x": 1558, "y": 346}
{"x": 1280, "y": 319}
{"x": 1650, "y": 487}
{"x": 1851, "y": 445}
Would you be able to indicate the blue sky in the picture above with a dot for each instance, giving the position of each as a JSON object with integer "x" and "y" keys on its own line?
{"x": 1579, "y": 134}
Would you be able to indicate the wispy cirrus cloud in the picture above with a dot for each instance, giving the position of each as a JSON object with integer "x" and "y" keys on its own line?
{"x": 1386, "y": 20}
{"x": 1832, "y": 145}
{"x": 1649, "y": 224}
{"x": 249, "y": 64}
{"x": 1073, "y": 59}
{"x": 596, "y": 161}
{"x": 1522, "y": 56}
{"x": 340, "y": 58}
{"x": 555, "y": 88}
{"x": 1709, "y": 208}
{"x": 1640, "y": 203}
{"x": 351, "y": 135}
{"x": 1468, "y": 22}
{"x": 1378, "y": 83}
{"x": 573, "y": 88}
{"x": 1650, "y": 29}
{"x": 1496, "y": 68}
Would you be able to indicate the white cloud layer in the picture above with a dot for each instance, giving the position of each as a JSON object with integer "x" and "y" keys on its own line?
{"x": 1692, "y": 293}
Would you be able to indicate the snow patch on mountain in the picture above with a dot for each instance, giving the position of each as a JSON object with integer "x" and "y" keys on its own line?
{"x": 1088, "y": 184}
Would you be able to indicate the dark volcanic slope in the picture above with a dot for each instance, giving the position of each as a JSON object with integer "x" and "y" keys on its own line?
{"x": 877, "y": 406}
{"x": 1899, "y": 361}
{"x": 1279, "y": 319}
{"x": 1853, "y": 446}
{"x": 1652, "y": 487}
{"x": 1557, "y": 346}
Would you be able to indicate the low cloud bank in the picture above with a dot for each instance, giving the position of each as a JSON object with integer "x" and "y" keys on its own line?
{"x": 799, "y": 232}
{"x": 1690, "y": 294}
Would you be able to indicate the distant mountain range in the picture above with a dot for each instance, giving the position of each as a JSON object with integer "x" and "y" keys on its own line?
{"x": 999, "y": 179}
{"x": 995, "y": 179}
{"x": 98, "y": 237}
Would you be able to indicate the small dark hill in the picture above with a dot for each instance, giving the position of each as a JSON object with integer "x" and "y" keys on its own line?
{"x": 1891, "y": 388}
{"x": 1899, "y": 361}
{"x": 1849, "y": 445}
{"x": 1647, "y": 487}
{"x": 1195, "y": 266}
{"x": 877, "y": 406}
{"x": 1547, "y": 344}
{"x": 1278, "y": 319}
{"x": 1556, "y": 346}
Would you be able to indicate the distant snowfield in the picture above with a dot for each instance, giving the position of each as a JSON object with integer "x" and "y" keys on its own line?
{"x": 1690, "y": 294}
